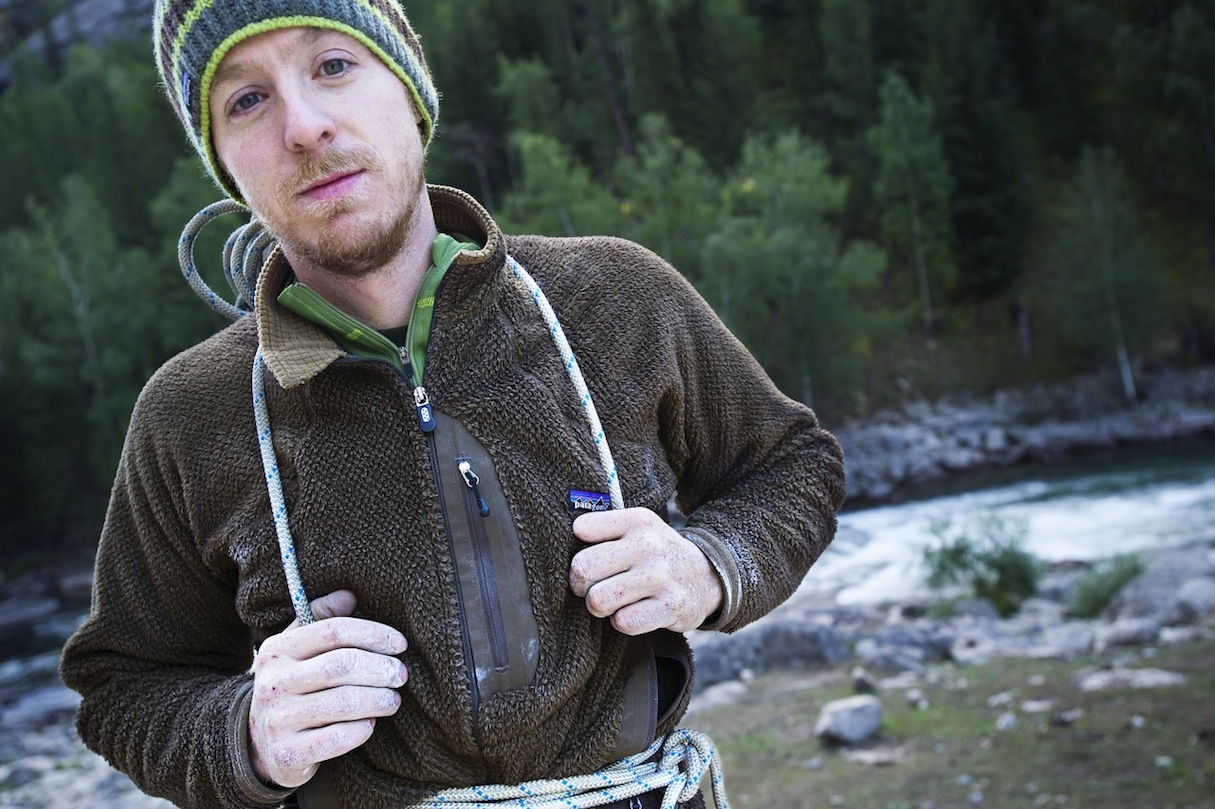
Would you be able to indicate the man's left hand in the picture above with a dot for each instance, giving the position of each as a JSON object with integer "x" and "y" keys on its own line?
{"x": 642, "y": 573}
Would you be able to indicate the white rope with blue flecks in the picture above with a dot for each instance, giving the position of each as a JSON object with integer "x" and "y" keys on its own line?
{"x": 274, "y": 487}
{"x": 686, "y": 754}
{"x": 574, "y": 373}
{"x": 245, "y": 252}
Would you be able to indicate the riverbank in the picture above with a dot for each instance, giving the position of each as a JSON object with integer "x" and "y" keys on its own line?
{"x": 953, "y": 438}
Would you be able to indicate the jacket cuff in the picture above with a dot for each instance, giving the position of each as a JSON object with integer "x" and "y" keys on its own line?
{"x": 722, "y": 559}
{"x": 251, "y": 787}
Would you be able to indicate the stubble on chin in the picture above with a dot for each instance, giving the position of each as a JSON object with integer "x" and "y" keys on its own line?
{"x": 347, "y": 250}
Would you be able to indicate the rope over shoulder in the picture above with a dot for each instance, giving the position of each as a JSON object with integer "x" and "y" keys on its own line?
{"x": 245, "y": 253}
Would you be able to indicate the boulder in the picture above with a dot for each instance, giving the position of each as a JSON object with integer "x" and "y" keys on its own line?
{"x": 781, "y": 643}
{"x": 1128, "y": 632}
{"x": 1130, "y": 678}
{"x": 1156, "y": 594}
{"x": 851, "y": 720}
{"x": 37, "y": 707}
{"x": 1197, "y": 599}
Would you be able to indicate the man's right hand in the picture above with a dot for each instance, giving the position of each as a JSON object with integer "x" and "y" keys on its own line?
{"x": 318, "y": 688}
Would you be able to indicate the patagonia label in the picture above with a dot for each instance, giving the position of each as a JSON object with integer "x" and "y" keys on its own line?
{"x": 589, "y": 501}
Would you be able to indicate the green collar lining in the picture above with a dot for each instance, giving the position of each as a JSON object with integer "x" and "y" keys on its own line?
{"x": 361, "y": 340}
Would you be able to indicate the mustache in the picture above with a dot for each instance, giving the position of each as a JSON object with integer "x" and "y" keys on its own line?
{"x": 313, "y": 168}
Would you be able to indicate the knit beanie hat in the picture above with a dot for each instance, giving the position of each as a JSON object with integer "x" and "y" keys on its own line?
{"x": 191, "y": 38}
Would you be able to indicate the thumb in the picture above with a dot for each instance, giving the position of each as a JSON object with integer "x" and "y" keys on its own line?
{"x": 338, "y": 604}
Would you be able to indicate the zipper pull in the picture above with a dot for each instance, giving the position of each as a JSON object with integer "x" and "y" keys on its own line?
{"x": 470, "y": 478}
{"x": 421, "y": 402}
{"x": 426, "y": 416}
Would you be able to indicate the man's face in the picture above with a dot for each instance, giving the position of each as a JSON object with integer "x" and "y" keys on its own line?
{"x": 322, "y": 140}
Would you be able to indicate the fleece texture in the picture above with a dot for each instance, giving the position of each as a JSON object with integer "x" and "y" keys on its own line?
{"x": 188, "y": 579}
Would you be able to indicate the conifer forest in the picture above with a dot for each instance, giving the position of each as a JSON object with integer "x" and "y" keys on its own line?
{"x": 886, "y": 200}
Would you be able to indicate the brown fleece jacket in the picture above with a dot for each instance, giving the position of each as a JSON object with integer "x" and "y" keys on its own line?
{"x": 188, "y": 578}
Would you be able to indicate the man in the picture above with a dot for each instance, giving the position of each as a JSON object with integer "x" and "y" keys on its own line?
{"x": 426, "y": 471}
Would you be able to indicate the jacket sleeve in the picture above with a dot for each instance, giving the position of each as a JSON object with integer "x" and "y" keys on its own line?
{"x": 758, "y": 478}
{"x": 162, "y": 660}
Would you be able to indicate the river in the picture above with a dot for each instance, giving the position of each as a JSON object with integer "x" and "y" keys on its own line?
{"x": 1128, "y": 500}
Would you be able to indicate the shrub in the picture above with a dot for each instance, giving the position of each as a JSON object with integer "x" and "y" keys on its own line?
{"x": 1096, "y": 589}
{"x": 989, "y": 556}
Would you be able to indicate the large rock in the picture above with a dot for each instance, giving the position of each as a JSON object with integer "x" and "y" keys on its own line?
{"x": 1130, "y": 678}
{"x": 1196, "y": 599}
{"x": 1128, "y": 632}
{"x": 39, "y": 706}
{"x": 851, "y": 720}
{"x": 1156, "y": 594}
{"x": 781, "y": 643}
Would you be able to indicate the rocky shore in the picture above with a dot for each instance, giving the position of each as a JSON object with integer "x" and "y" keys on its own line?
{"x": 951, "y": 438}
{"x": 43, "y": 765}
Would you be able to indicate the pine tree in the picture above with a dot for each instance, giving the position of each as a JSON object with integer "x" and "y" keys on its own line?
{"x": 1107, "y": 293}
{"x": 912, "y": 190}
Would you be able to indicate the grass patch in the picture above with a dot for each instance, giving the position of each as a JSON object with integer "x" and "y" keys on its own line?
{"x": 953, "y": 755}
{"x": 988, "y": 555}
{"x": 1096, "y": 589}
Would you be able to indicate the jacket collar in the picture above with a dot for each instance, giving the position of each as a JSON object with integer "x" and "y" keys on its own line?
{"x": 295, "y": 349}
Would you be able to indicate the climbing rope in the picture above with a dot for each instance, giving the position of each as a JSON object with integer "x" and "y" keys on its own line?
{"x": 686, "y": 756}
{"x": 523, "y": 279}
{"x": 274, "y": 486}
{"x": 245, "y": 252}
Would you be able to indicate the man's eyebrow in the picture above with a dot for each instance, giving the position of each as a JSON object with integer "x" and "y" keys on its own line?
{"x": 229, "y": 71}
{"x": 235, "y": 71}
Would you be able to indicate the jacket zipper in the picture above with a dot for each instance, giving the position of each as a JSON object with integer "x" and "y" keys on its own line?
{"x": 476, "y": 509}
{"x": 421, "y": 402}
{"x": 426, "y": 423}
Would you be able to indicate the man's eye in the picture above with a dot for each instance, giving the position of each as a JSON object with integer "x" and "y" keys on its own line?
{"x": 246, "y": 102}
{"x": 334, "y": 67}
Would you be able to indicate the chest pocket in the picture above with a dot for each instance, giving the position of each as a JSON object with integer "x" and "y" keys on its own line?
{"x": 496, "y": 608}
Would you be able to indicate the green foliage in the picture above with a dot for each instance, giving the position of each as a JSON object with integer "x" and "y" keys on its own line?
{"x": 912, "y": 189}
{"x": 781, "y": 276}
{"x": 987, "y": 555}
{"x": 967, "y": 83}
{"x": 556, "y": 195}
{"x": 104, "y": 120}
{"x": 694, "y": 62}
{"x": 670, "y": 197}
{"x": 91, "y": 301}
{"x": 1106, "y": 294}
{"x": 1094, "y": 591}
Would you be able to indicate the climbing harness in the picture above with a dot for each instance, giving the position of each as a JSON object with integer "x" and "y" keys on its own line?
{"x": 686, "y": 754}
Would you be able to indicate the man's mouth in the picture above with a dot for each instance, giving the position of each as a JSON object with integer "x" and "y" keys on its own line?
{"x": 332, "y": 186}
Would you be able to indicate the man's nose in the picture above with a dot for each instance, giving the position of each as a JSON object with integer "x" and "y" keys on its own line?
{"x": 307, "y": 125}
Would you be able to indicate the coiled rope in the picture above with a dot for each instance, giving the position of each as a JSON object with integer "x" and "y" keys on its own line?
{"x": 245, "y": 253}
{"x": 686, "y": 754}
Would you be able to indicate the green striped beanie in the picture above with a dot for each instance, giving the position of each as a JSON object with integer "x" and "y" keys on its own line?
{"x": 191, "y": 38}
